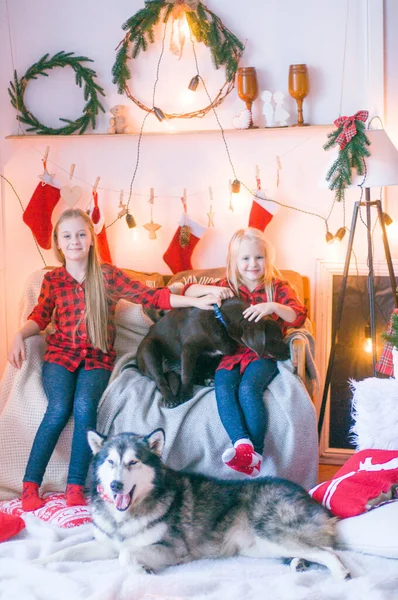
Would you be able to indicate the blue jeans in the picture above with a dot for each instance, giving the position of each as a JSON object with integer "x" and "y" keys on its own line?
{"x": 240, "y": 400}
{"x": 78, "y": 392}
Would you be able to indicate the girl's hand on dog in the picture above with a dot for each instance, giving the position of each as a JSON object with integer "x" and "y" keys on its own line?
{"x": 207, "y": 302}
{"x": 221, "y": 292}
{"x": 258, "y": 311}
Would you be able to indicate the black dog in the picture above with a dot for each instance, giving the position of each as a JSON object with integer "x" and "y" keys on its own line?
{"x": 185, "y": 334}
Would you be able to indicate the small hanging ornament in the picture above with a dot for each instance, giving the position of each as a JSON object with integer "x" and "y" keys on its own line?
{"x": 46, "y": 177}
{"x": 71, "y": 195}
{"x": 185, "y": 233}
{"x": 122, "y": 206}
{"x": 152, "y": 227}
{"x": 185, "y": 236}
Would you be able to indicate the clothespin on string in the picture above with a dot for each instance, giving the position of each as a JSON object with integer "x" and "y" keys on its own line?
{"x": 45, "y": 157}
{"x": 258, "y": 181}
{"x": 211, "y": 214}
{"x": 184, "y": 204}
{"x": 72, "y": 170}
{"x": 96, "y": 185}
{"x": 185, "y": 232}
{"x": 278, "y": 169}
{"x": 151, "y": 200}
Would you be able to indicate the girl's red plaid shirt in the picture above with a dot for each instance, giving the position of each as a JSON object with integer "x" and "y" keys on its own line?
{"x": 63, "y": 299}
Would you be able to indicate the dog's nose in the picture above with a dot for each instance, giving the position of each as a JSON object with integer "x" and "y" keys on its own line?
{"x": 116, "y": 486}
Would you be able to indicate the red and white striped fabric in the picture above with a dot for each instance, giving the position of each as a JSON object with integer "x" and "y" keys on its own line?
{"x": 360, "y": 484}
{"x": 54, "y": 511}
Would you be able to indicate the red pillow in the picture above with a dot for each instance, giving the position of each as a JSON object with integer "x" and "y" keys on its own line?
{"x": 54, "y": 511}
{"x": 364, "y": 478}
{"x": 10, "y": 525}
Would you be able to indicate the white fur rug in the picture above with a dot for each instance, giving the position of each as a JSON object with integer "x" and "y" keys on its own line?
{"x": 374, "y": 578}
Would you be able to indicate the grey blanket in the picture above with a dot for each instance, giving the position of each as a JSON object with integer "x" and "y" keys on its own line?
{"x": 195, "y": 437}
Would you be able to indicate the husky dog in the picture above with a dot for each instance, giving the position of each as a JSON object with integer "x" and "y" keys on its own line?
{"x": 190, "y": 334}
{"x": 152, "y": 517}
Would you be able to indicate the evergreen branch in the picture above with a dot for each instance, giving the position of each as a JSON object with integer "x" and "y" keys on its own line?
{"x": 350, "y": 157}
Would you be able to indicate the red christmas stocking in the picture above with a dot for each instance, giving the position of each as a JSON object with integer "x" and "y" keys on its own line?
{"x": 100, "y": 231}
{"x": 38, "y": 213}
{"x": 177, "y": 256}
{"x": 262, "y": 211}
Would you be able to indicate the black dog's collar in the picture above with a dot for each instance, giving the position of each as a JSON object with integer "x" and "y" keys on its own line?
{"x": 218, "y": 315}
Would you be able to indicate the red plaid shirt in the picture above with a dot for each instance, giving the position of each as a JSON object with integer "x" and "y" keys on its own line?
{"x": 64, "y": 297}
{"x": 282, "y": 293}
{"x": 385, "y": 364}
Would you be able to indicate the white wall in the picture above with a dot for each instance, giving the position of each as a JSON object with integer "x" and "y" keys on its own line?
{"x": 310, "y": 32}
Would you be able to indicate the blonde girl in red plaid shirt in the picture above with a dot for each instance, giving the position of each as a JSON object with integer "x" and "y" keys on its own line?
{"x": 80, "y": 299}
{"x": 241, "y": 379}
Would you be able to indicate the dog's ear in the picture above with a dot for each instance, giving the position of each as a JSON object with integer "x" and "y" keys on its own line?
{"x": 253, "y": 336}
{"x": 95, "y": 440}
{"x": 279, "y": 350}
{"x": 156, "y": 441}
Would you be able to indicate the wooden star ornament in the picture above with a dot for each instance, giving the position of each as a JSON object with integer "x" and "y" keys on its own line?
{"x": 47, "y": 177}
{"x": 152, "y": 228}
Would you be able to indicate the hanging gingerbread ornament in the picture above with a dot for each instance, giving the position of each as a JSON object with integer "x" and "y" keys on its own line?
{"x": 184, "y": 234}
{"x": 152, "y": 227}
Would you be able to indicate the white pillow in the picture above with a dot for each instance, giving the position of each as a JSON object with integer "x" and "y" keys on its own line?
{"x": 375, "y": 414}
{"x": 373, "y": 532}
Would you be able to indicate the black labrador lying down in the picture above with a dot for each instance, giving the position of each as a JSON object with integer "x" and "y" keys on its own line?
{"x": 186, "y": 334}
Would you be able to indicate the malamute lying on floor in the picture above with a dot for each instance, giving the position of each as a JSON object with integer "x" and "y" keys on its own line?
{"x": 153, "y": 517}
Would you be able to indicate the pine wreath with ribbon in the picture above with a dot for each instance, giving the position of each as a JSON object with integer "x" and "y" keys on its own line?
{"x": 353, "y": 142}
{"x": 83, "y": 74}
{"x": 205, "y": 26}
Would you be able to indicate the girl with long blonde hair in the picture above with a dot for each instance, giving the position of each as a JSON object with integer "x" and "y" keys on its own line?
{"x": 80, "y": 299}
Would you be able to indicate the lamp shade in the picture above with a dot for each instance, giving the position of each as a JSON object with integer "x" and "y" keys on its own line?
{"x": 382, "y": 164}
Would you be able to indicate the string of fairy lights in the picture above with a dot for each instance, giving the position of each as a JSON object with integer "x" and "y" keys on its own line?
{"x": 234, "y": 184}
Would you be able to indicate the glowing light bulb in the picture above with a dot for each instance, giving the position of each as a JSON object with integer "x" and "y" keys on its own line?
{"x": 368, "y": 346}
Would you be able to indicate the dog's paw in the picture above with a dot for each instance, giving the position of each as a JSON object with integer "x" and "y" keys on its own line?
{"x": 128, "y": 559}
{"x": 299, "y": 565}
{"x": 171, "y": 402}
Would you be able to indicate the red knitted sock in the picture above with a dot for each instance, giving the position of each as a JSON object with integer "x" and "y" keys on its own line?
{"x": 75, "y": 495}
{"x": 30, "y": 496}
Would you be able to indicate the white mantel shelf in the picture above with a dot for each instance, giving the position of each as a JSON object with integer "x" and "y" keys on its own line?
{"x": 173, "y": 133}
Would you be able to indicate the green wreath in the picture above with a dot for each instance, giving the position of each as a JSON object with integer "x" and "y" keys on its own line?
{"x": 83, "y": 74}
{"x": 205, "y": 26}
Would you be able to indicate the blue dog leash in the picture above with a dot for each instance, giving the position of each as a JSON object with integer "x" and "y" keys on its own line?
{"x": 218, "y": 315}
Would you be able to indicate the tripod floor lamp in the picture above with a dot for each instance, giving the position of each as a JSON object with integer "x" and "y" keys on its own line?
{"x": 381, "y": 171}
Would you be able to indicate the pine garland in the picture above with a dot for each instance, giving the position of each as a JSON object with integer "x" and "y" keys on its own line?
{"x": 205, "y": 26}
{"x": 351, "y": 156}
{"x": 391, "y": 335}
{"x": 83, "y": 75}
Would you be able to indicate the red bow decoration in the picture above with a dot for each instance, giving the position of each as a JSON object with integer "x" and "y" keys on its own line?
{"x": 349, "y": 127}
